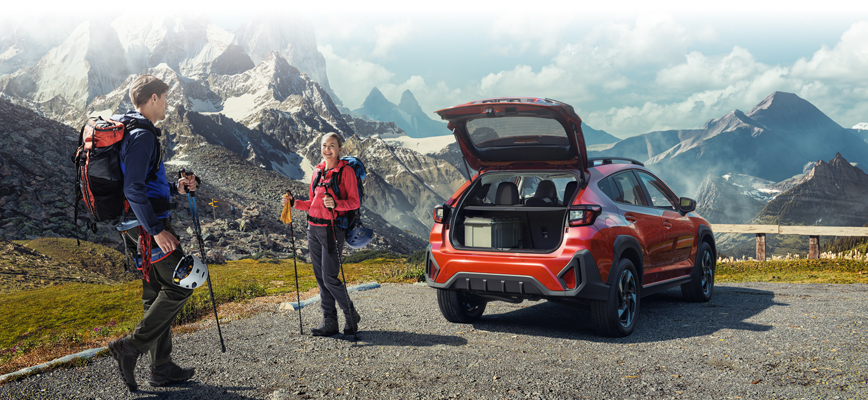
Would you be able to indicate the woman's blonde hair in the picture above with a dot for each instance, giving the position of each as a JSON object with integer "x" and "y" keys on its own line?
{"x": 334, "y": 135}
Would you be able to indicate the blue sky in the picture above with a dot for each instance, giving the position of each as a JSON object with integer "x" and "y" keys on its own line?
{"x": 628, "y": 67}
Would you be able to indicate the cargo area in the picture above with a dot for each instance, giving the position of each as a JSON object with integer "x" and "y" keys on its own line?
{"x": 515, "y": 212}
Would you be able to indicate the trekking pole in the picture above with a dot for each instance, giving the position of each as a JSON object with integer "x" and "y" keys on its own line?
{"x": 286, "y": 218}
{"x": 350, "y": 305}
{"x": 191, "y": 200}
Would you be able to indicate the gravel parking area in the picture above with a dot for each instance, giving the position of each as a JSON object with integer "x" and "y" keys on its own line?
{"x": 752, "y": 341}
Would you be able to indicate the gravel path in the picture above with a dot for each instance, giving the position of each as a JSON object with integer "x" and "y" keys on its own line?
{"x": 752, "y": 341}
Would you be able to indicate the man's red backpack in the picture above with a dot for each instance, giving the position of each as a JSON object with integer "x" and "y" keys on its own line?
{"x": 99, "y": 181}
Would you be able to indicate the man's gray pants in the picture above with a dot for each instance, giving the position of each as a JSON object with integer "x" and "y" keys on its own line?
{"x": 162, "y": 301}
{"x": 326, "y": 268}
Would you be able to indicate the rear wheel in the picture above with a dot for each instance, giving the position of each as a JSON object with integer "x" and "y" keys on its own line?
{"x": 701, "y": 285}
{"x": 460, "y": 305}
{"x": 616, "y": 317}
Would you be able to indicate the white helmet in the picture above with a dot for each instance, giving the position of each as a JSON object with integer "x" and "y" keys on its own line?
{"x": 190, "y": 273}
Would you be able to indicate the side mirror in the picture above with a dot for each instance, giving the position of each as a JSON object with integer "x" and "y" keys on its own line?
{"x": 686, "y": 204}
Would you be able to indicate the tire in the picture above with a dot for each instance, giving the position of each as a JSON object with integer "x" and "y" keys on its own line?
{"x": 701, "y": 286}
{"x": 459, "y": 305}
{"x": 616, "y": 317}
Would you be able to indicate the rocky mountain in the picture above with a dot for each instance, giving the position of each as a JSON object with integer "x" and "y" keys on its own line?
{"x": 36, "y": 175}
{"x": 295, "y": 40}
{"x": 366, "y": 128}
{"x": 407, "y": 114}
{"x": 192, "y": 95}
{"x": 402, "y": 185}
{"x": 833, "y": 193}
{"x": 89, "y": 63}
{"x": 722, "y": 201}
{"x": 276, "y": 85}
{"x": 772, "y": 141}
{"x": 191, "y": 45}
{"x": 37, "y": 184}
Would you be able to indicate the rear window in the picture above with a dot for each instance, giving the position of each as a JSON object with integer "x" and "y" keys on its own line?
{"x": 516, "y": 131}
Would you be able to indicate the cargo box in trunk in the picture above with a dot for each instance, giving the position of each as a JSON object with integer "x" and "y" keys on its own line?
{"x": 494, "y": 232}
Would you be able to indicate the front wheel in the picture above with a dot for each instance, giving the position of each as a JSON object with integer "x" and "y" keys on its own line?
{"x": 460, "y": 305}
{"x": 616, "y": 316}
{"x": 701, "y": 285}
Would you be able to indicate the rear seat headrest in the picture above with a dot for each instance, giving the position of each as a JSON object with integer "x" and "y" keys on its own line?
{"x": 507, "y": 194}
{"x": 547, "y": 191}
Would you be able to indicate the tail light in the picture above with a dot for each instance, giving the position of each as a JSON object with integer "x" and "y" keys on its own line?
{"x": 584, "y": 214}
{"x": 441, "y": 213}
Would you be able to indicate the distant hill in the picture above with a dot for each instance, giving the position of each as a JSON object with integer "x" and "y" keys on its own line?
{"x": 407, "y": 114}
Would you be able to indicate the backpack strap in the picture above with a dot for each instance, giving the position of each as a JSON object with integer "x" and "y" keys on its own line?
{"x": 134, "y": 124}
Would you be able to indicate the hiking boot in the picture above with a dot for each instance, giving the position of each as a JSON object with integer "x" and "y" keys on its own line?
{"x": 126, "y": 355}
{"x": 351, "y": 328}
{"x": 328, "y": 327}
{"x": 170, "y": 373}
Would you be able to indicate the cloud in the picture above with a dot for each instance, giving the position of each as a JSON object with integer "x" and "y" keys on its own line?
{"x": 645, "y": 75}
{"x": 701, "y": 72}
{"x": 846, "y": 62}
{"x": 389, "y": 36}
{"x": 523, "y": 32}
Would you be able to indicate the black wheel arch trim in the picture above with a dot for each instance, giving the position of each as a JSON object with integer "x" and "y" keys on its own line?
{"x": 703, "y": 232}
{"x": 621, "y": 244}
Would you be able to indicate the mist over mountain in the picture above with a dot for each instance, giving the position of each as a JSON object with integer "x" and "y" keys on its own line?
{"x": 597, "y": 137}
{"x": 24, "y": 42}
{"x": 90, "y": 62}
{"x": 773, "y": 141}
{"x": 407, "y": 114}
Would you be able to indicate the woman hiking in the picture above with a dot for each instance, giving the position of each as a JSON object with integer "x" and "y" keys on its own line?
{"x": 325, "y": 223}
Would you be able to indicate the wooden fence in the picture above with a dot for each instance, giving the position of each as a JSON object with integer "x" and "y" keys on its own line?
{"x": 813, "y": 233}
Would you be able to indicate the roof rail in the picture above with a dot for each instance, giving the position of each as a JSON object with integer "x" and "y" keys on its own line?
{"x": 610, "y": 160}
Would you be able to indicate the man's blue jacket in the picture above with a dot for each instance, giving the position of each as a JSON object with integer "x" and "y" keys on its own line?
{"x": 148, "y": 195}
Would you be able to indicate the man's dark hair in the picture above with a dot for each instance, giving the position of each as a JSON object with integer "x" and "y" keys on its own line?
{"x": 144, "y": 87}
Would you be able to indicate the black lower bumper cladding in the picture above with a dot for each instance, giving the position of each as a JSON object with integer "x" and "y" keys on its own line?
{"x": 590, "y": 286}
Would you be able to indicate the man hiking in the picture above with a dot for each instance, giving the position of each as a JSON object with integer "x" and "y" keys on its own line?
{"x": 148, "y": 191}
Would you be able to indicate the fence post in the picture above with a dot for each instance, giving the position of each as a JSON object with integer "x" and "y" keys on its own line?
{"x": 814, "y": 247}
{"x": 760, "y": 246}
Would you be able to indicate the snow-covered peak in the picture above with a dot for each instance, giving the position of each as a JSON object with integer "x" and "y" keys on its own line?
{"x": 188, "y": 44}
{"x": 862, "y": 126}
{"x": 293, "y": 37}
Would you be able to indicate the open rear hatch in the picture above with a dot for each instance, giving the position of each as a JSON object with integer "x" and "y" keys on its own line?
{"x": 519, "y": 131}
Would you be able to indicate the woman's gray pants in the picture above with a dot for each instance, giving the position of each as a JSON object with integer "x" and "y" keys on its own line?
{"x": 326, "y": 268}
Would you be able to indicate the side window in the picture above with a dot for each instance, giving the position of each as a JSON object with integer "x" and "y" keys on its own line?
{"x": 658, "y": 192}
{"x": 626, "y": 189}
{"x": 606, "y": 186}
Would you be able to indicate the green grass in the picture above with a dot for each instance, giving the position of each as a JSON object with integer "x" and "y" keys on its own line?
{"x": 794, "y": 271}
{"x": 86, "y": 256}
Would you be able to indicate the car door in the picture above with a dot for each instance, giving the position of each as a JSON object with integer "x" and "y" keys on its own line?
{"x": 645, "y": 222}
{"x": 678, "y": 229}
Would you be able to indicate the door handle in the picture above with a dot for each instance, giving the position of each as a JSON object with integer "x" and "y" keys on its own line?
{"x": 667, "y": 225}
{"x": 630, "y": 218}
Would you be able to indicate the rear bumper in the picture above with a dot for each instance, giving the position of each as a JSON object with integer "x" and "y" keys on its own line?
{"x": 588, "y": 283}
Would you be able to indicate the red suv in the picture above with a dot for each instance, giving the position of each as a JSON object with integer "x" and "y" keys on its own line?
{"x": 542, "y": 221}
